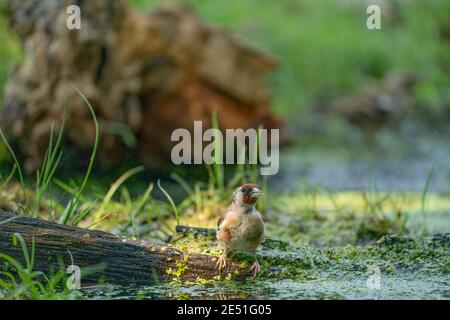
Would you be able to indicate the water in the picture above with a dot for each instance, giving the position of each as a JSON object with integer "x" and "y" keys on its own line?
{"x": 405, "y": 286}
{"x": 399, "y": 162}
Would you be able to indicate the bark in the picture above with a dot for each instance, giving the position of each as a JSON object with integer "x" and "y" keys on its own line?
{"x": 145, "y": 73}
{"x": 107, "y": 257}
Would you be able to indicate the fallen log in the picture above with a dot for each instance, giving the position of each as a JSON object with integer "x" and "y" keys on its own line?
{"x": 196, "y": 231}
{"x": 110, "y": 258}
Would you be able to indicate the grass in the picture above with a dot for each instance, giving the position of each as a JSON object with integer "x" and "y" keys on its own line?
{"x": 218, "y": 169}
{"x": 16, "y": 162}
{"x": 23, "y": 282}
{"x": 172, "y": 203}
{"x": 315, "y": 218}
{"x": 138, "y": 209}
{"x": 45, "y": 175}
{"x": 216, "y": 193}
{"x": 115, "y": 186}
{"x": 50, "y": 163}
{"x": 322, "y": 49}
{"x": 70, "y": 208}
{"x": 424, "y": 196}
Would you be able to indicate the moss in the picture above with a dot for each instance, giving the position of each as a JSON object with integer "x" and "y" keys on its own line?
{"x": 199, "y": 245}
{"x": 394, "y": 255}
{"x": 181, "y": 267}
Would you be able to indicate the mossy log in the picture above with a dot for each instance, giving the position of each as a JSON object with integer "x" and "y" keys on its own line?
{"x": 107, "y": 257}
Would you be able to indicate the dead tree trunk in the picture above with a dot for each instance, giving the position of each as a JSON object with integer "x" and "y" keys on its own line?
{"x": 113, "y": 259}
{"x": 144, "y": 73}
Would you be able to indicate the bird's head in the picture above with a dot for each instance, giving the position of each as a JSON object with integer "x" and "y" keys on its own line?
{"x": 246, "y": 195}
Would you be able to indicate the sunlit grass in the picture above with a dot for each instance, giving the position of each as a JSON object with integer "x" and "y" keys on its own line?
{"x": 322, "y": 217}
{"x": 114, "y": 187}
{"x": 292, "y": 203}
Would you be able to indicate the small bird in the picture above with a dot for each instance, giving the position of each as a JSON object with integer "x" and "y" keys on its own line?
{"x": 241, "y": 228}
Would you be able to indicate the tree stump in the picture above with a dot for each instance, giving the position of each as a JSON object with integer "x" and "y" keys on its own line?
{"x": 145, "y": 73}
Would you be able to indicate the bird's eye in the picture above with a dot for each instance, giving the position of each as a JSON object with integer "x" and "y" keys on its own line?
{"x": 244, "y": 189}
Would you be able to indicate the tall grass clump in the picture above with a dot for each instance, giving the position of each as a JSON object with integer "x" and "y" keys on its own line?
{"x": 16, "y": 162}
{"x": 52, "y": 157}
{"x": 73, "y": 203}
{"x": 46, "y": 174}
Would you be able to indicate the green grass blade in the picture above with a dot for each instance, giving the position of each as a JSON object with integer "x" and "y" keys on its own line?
{"x": 9, "y": 177}
{"x": 16, "y": 162}
{"x": 114, "y": 187}
{"x": 217, "y": 167}
{"x": 26, "y": 255}
{"x": 172, "y": 203}
{"x": 184, "y": 185}
{"x": 72, "y": 204}
{"x": 424, "y": 195}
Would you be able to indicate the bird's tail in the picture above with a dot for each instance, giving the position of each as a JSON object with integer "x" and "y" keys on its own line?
{"x": 196, "y": 231}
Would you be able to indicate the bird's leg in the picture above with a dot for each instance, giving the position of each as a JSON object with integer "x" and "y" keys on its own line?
{"x": 222, "y": 261}
{"x": 256, "y": 267}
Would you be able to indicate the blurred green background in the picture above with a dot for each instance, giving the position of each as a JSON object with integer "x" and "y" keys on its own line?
{"x": 324, "y": 46}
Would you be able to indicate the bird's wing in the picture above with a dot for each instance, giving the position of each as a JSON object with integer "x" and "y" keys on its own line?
{"x": 220, "y": 220}
{"x": 223, "y": 230}
{"x": 222, "y": 217}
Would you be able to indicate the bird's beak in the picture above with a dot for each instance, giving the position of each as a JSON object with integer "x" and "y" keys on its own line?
{"x": 256, "y": 193}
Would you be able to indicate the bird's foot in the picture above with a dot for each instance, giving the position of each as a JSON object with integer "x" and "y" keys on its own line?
{"x": 221, "y": 262}
{"x": 256, "y": 268}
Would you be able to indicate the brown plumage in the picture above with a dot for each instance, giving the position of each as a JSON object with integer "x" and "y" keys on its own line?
{"x": 241, "y": 228}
